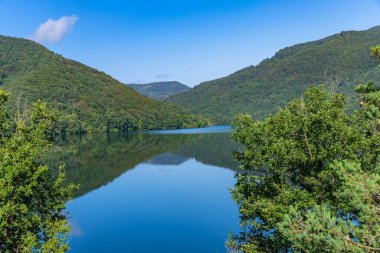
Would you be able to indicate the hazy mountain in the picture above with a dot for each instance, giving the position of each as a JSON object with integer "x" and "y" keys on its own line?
{"x": 160, "y": 90}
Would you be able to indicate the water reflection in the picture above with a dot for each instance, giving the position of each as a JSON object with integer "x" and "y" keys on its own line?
{"x": 167, "y": 159}
{"x": 95, "y": 160}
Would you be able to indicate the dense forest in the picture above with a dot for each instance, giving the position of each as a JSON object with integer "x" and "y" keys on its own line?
{"x": 160, "y": 90}
{"x": 86, "y": 100}
{"x": 343, "y": 60}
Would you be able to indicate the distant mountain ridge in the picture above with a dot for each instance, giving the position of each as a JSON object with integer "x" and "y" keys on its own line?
{"x": 85, "y": 99}
{"x": 160, "y": 90}
{"x": 261, "y": 90}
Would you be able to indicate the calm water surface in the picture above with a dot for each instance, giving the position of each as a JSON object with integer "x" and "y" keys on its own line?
{"x": 151, "y": 192}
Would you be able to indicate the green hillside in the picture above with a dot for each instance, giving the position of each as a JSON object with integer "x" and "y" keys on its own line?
{"x": 160, "y": 90}
{"x": 260, "y": 90}
{"x": 84, "y": 98}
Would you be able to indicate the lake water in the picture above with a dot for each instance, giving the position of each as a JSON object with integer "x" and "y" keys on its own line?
{"x": 151, "y": 192}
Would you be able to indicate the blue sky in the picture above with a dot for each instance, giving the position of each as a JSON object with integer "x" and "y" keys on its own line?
{"x": 186, "y": 40}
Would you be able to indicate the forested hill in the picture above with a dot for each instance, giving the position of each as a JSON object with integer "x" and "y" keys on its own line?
{"x": 262, "y": 89}
{"x": 160, "y": 90}
{"x": 84, "y": 98}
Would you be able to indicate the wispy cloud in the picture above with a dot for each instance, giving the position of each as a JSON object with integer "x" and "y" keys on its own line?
{"x": 54, "y": 29}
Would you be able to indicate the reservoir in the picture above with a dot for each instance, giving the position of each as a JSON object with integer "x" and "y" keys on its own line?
{"x": 158, "y": 191}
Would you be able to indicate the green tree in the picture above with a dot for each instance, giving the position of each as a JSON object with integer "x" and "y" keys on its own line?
{"x": 316, "y": 177}
{"x": 32, "y": 202}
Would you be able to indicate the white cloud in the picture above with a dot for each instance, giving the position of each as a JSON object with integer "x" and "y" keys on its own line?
{"x": 54, "y": 29}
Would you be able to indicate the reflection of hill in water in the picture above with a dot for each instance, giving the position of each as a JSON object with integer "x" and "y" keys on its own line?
{"x": 95, "y": 160}
{"x": 167, "y": 159}
{"x": 212, "y": 149}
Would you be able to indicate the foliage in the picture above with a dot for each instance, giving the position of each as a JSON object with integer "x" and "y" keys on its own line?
{"x": 160, "y": 90}
{"x": 32, "y": 202}
{"x": 375, "y": 51}
{"x": 86, "y": 100}
{"x": 317, "y": 177}
{"x": 261, "y": 90}
{"x": 323, "y": 229}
